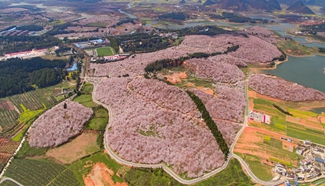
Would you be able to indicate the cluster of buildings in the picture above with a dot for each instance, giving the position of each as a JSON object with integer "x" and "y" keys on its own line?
{"x": 115, "y": 57}
{"x": 311, "y": 166}
{"x": 25, "y": 54}
{"x": 260, "y": 117}
{"x": 91, "y": 43}
{"x": 14, "y": 32}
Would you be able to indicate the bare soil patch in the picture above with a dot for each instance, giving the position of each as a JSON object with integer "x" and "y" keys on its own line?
{"x": 307, "y": 123}
{"x": 81, "y": 146}
{"x": 101, "y": 176}
{"x": 255, "y": 95}
{"x": 7, "y": 105}
{"x": 176, "y": 77}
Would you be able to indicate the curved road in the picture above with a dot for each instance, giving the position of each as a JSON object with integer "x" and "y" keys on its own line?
{"x": 167, "y": 169}
{"x": 10, "y": 179}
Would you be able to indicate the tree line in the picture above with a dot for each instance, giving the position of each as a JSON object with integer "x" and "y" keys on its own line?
{"x": 11, "y": 44}
{"x": 19, "y": 76}
{"x": 167, "y": 63}
{"x": 282, "y": 110}
{"x": 210, "y": 123}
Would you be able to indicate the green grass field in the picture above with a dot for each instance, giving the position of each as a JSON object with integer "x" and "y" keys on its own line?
{"x": 86, "y": 100}
{"x": 40, "y": 172}
{"x": 232, "y": 175}
{"x": 263, "y": 172}
{"x": 27, "y": 151}
{"x": 105, "y": 51}
{"x": 306, "y": 135}
{"x": 87, "y": 88}
{"x": 98, "y": 24}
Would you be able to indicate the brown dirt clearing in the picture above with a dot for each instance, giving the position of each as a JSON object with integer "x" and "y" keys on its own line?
{"x": 176, "y": 77}
{"x": 79, "y": 147}
{"x": 101, "y": 176}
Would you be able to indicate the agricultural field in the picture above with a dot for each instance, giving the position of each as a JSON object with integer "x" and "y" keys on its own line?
{"x": 262, "y": 149}
{"x": 105, "y": 51}
{"x": 21, "y": 108}
{"x": 7, "y": 147}
{"x": 81, "y": 146}
{"x": 297, "y": 123}
{"x": 261, "y": 145}
{"x": 40, "y": 172}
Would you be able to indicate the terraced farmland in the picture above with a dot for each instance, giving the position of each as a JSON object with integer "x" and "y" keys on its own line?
{"x": 21, "y": 107}
{"x": 7, "y": 119}
{"x": 40, "y": 172}
{"x": 32, "y": 100}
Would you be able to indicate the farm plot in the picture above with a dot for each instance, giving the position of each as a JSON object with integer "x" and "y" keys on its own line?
{"x": 301, "y": 124}
{"x": 154, "y": 122}
{"x": 29, "y": 100}
{"x": 262, "y": 149}
{"x": 40, "y": 172}
{"x": 105, "y": 51}
{"x": 12, "y": 106}
{"x": 83, "y": 145}
{"x": 7, "y": 119}
{"x": 7, "y": 147}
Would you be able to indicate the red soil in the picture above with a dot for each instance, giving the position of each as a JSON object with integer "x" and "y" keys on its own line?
{"x": 101, "y": 176}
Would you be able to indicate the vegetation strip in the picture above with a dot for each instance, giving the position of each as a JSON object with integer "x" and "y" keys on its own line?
{"x": 281, "y": 110}
{"x": 210, "y": 123}
{"x": 164, "y": 63}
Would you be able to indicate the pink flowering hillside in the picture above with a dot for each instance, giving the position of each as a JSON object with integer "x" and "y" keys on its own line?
{"x": 153, "y": 122}
{"x": 217, "y": 71}
{"x": 251, "y": 50}
{"x": 281, "y": 89}
{"x": 57, "y": 125}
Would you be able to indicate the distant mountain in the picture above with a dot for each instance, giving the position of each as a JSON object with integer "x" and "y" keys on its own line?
{"x": 209, "y": 2}
{"x": 246, "y": 5}
{"x": 306, "y": 2}
{"x": 300, "y": 7}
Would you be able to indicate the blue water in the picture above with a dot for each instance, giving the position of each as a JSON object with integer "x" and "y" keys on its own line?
{"x": 307, "y": 71}
{"x": 73, "y": 68}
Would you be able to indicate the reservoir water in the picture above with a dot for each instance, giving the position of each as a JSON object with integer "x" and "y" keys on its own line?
{"x": 307, "y": 71}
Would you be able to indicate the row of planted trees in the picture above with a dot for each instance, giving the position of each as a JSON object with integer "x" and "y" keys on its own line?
{"x": 210, "y": 123}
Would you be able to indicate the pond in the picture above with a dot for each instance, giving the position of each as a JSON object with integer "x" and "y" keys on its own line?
{"x": 307, "y": 71}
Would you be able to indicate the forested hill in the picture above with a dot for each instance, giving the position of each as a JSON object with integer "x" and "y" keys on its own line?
{"x": 18, "y": 76}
